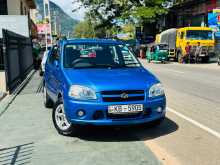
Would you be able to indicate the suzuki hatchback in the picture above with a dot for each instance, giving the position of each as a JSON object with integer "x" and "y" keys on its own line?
{"x": 100, "y": 82}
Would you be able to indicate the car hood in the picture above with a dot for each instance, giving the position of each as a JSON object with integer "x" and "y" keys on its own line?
{"x": 111, "y": 79}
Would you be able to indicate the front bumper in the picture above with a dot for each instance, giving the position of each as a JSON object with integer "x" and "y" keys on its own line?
{"x": 91, "y": 108}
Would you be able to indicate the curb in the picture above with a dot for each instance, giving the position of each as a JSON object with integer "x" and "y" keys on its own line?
{"x": 5, "y": 103}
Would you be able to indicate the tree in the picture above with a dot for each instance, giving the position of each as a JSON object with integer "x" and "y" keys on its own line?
{"x": 107, "y": 12}
{"x": 84, "y": 30}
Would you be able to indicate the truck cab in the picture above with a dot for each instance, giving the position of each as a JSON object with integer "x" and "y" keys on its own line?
{"x": 177, "y": 40}
{"x": 194, "y": 36}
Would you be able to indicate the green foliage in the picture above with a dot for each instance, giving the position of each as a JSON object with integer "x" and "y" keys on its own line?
{"x": 106, "y": 12}
{"x": 129, "y": 29}
{"x": 84, "y": 30}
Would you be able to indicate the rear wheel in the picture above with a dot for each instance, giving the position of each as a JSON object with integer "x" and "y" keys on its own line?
{"x": 205, "y": 59}
{"x": 179, "y": 57}
{"x": 48, "y": 103}
{"x": 62, "y": 125}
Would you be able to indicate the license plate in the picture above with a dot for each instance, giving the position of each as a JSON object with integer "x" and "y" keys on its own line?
{"x": 123, "y": 109}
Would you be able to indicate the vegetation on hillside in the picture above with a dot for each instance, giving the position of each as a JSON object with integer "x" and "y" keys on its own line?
{"x": 64, "y": 21}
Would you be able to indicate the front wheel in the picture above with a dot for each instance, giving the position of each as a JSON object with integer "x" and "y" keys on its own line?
{"x": 205, "y": 59}
{"x": 62, "y": 125}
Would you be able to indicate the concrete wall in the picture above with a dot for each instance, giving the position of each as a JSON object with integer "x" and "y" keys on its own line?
{"x": 14, "y": 7}
{"x": 2, "y": 81}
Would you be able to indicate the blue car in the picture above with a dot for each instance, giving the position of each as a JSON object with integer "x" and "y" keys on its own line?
{"x": 101, "y": 83}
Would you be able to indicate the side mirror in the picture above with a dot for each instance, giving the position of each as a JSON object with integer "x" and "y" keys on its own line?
{"x": 56, "y": 63}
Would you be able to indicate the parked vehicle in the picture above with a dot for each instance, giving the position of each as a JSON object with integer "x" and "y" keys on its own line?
{"x": 177, "y": 40}
{"x": 44, "y": 59}
{"x": 158, "y": 52}
{"x": 100, "y": 82}
{"x": 157, "y": 41}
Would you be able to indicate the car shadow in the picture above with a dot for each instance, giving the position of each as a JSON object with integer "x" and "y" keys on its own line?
{"x": 20, "y": 154}
{"x": 131, "y": 133}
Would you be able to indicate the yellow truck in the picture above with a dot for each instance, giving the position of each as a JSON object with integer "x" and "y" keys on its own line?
{"x": 177, "y": 40}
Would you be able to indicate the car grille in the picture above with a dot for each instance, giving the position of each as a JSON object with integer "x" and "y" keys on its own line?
{"x": 117, "y": 96}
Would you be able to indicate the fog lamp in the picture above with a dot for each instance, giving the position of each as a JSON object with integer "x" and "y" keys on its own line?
{"x": 80, "y": 113}
{"x": 159, "y": 109}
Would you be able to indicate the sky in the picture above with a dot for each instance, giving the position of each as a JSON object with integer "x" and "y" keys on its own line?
{"x": 68, "y": 6}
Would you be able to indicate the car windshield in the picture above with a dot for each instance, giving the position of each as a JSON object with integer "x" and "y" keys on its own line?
{"x": 163, "y": 47}
{"x": 199, "y": 35}
{"x": 98, "y": 55}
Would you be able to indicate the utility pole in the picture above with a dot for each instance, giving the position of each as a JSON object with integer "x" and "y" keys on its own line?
{"x": 55, "y": 22}
{"x": 44, "y": 24}
{"x": 47, "y": 17}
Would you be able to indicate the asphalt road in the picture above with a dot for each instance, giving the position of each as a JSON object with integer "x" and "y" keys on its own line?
{"x": 193, "y": 95}
{"x": 189, "y": 135}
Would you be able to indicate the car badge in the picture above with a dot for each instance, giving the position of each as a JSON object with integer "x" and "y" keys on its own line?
{"x": 124, "y": 95}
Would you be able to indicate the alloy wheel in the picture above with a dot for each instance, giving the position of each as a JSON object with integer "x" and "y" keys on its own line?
{"x": 60, "y": 118}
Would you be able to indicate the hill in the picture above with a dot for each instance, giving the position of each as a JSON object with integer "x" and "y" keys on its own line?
{"x": 64, "y": 21}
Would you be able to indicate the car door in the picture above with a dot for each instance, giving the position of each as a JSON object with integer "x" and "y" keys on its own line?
{"x": 50, "y": 80}
{"x": 56, "y": 74}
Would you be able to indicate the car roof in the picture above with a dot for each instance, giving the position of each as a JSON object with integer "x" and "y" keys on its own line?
{"x": 92, "y": 41}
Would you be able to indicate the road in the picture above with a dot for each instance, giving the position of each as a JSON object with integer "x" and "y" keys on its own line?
{"x": 193, "y": 95}
{"x": 187, "y": 136}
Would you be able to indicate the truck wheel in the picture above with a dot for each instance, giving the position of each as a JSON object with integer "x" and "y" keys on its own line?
{"x": 179, "y": 57}
{"x": 62, "y": 125}
{"x": 205, "y": 59}
{"x": 48, "y": 103}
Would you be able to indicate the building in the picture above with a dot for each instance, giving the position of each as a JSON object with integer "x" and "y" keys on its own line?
{"x": 16, "y": 7}
{"x": 188, "y": 13}
{"x": 20, "y": 7}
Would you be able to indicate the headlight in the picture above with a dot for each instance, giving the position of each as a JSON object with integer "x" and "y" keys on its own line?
{"x": 156, "y": 90}
{"x": 82, "y": 93}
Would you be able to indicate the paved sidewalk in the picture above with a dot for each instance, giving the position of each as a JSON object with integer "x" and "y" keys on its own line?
{"x": 28, "y": 137}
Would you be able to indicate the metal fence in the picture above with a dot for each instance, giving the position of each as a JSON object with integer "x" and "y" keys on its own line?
{"x": 18, "y": 58}
{"x": 1, "y": 55}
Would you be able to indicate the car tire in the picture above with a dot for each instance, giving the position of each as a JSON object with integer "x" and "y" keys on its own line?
{"x": 205, "y": 59}
{"x": 41, "y": 73}
{"x": 48, "y": 103}
{"x": 179, "y": 57}
{"x": 62, "y": 125}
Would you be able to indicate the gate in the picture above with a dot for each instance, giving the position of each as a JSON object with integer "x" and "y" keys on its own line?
{"x": 1, "y": 55}
{"x": 18, "y": 58}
